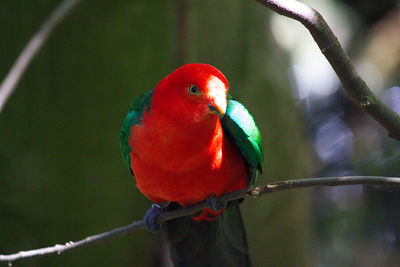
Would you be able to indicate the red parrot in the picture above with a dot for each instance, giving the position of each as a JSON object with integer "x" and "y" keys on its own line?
{"x": 187, "y": 141}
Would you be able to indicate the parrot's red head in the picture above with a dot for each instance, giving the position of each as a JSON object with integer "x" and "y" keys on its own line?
{"x": 192, "y": 92}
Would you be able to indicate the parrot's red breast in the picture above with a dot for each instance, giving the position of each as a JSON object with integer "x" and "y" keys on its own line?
{"x": 179, "y": 151}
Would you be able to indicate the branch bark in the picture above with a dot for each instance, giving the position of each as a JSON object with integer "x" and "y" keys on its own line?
{"x": 187, "y": 211}
{"x": 354, "y": 85}
{"x": 32, "y": 48}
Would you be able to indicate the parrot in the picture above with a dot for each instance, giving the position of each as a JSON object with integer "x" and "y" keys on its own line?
{"x": 187, "y": 141}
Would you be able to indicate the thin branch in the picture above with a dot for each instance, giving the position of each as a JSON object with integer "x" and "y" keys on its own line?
{"x": 187, "y": 211}
{"x": 354, "y": 85}
{"x": 32, "y": 48}
{"x": 59, "y": 249}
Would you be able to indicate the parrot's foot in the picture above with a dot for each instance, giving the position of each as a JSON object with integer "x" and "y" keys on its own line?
{"x": 215, "y": 204}
{"x": 150, "y": 218}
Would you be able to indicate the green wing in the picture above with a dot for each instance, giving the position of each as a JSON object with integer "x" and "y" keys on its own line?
{"x": 241, "y": 127}
{"x": 134, "y": 116}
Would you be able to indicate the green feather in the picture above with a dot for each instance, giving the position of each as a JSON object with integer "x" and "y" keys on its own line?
{"x": 134, "y": 116}
{"x": 241, "y": 127}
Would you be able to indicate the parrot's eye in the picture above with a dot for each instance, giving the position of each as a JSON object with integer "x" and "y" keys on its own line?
{"x": 194, "y": 90}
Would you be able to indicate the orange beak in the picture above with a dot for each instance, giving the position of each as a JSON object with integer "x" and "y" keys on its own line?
{"x": 216, "y": 110}
{"x": 217, "y": 96}
{"x": 218, "y": 106}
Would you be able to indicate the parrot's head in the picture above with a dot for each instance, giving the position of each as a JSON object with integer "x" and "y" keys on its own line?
{"x": 193, "y": 92}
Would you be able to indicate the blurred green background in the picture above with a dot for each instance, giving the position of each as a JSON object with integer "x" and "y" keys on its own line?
{"x": 61, "y": 174}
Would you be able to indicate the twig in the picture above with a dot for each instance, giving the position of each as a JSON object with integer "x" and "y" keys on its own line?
{"x": 354, "y": 85}
{"x": 59, "y": 249}
{"x": 31, "y": 49}
{"x": 187, "y": 211}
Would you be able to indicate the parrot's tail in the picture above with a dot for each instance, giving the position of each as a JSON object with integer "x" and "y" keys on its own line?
{"x": 221, "y": 242}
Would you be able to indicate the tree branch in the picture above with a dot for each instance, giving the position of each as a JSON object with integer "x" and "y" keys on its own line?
{"x": 354, "y": 85}
{"x": 187, "y": 211}
{"x": 58, "y": 249}
{"x": 24, "y": 59}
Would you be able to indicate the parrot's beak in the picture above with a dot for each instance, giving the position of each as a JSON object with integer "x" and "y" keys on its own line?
{"x": 216, "y": 95}
{"x": 217, "y": 108}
